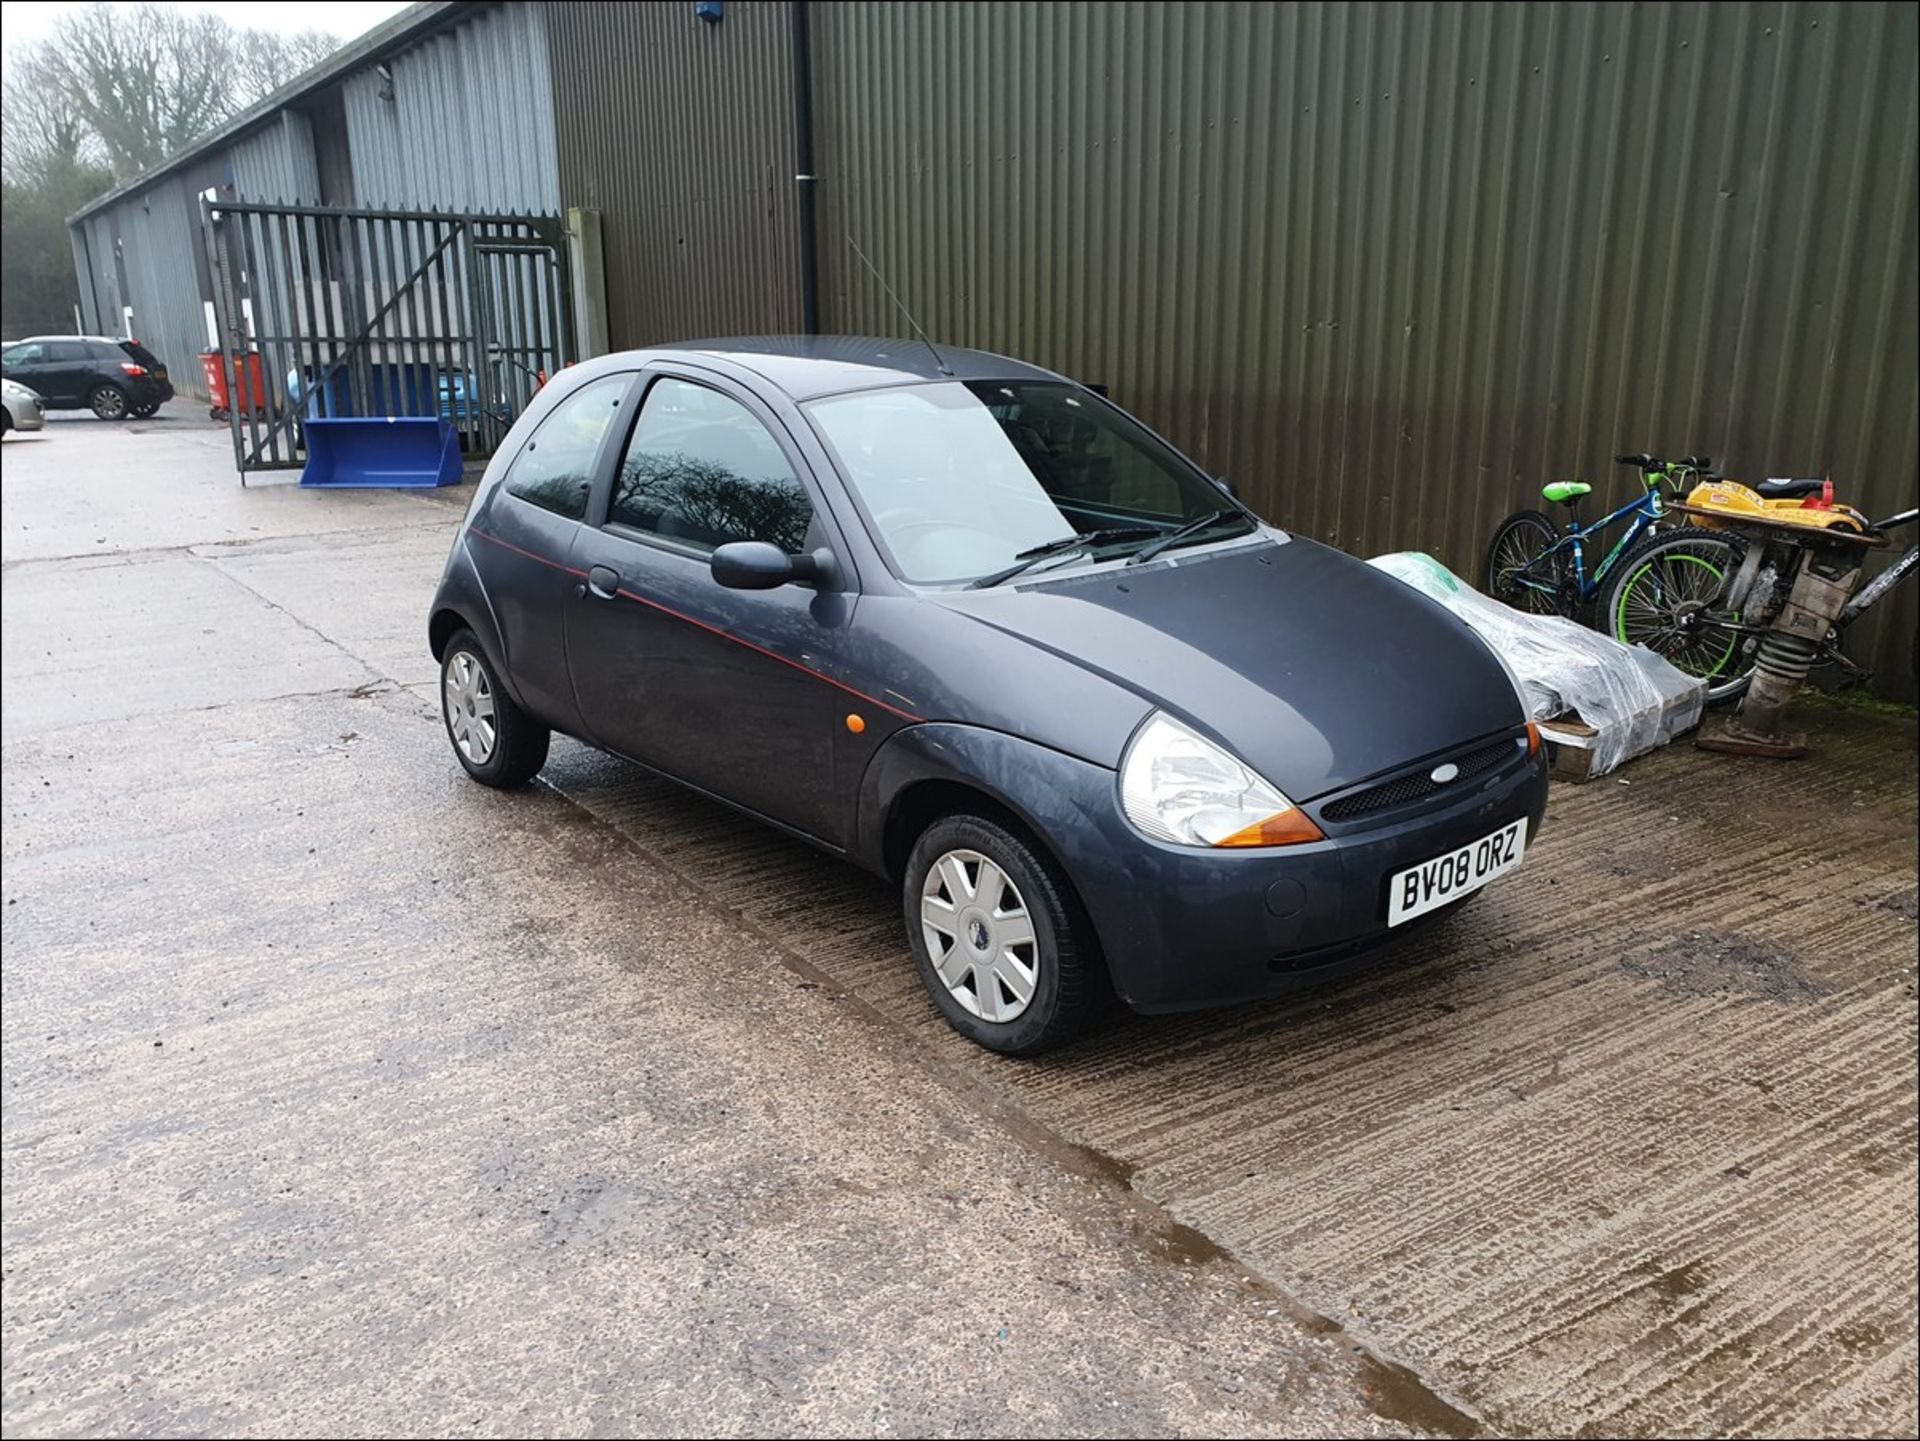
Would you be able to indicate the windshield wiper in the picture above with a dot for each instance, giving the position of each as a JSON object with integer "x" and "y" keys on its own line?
{"x": 1033, "y": 555}
{"x": 1180, "y": 534}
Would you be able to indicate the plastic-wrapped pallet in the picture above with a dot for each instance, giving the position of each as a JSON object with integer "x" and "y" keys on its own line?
{"x": 1633, "y": 699}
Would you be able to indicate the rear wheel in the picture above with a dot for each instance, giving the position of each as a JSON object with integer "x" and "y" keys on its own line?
{"x": 1662, "y": 595}
{"x": 147, "y": 411}
{"x": 1516, "y": 574}
{"x": 493, "y": 739}
{"x": 109, "y": 402}
{"x": 1002, "y": 944}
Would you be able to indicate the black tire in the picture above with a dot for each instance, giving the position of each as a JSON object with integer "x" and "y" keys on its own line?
{"x": 1067, "y": 980}
{"x": 520, "y": 742}
{"x": 1519, "y": 539}
{"x": 109, "y": 402}
{"x": 1679, "y": 571}
{"x": 6, "y": 421}
{"x": 147, "y": 411}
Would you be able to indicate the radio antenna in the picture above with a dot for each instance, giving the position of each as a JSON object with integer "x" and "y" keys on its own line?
{"x": 938, "y": 360}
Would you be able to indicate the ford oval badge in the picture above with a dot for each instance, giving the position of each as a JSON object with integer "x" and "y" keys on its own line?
{"x": 1440, "y": 775}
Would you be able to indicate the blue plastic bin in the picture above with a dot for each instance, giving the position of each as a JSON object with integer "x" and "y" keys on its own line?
{"x": 403, "y": 451}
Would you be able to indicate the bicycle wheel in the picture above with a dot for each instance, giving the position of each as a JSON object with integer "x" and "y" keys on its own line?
{"x": 1660, "y": 595}
{"x": 1518, "y": 576}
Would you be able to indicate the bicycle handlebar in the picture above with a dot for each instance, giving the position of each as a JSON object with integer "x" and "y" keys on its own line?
{"x": 1650, "y": 462}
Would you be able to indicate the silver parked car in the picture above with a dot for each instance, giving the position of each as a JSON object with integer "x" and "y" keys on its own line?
{"x": 20, "y": 408}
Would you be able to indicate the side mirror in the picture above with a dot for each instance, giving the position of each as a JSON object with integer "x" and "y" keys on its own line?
{"x": 761, "y": 565}
{"x": 1228, "y": 486}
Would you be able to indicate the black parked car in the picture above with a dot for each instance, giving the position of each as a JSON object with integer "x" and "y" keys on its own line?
{"x": 968, "y": 624}
{"x": 114, "y": 379}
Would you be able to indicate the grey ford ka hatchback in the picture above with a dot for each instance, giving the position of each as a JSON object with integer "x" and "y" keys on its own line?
{"x": 971, "y": 626}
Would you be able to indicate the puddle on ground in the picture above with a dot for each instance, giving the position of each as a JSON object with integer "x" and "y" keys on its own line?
{"x": 1397, "y": 1394}
{"x": 1861, "y": 1338}
{"x": 1392, "y": 1391}
{"x": 1677, "y": 1284}
{"x": 1721, "y": 963}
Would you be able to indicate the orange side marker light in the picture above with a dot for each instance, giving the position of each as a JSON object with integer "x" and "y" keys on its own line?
{"x": 856, "y": 724}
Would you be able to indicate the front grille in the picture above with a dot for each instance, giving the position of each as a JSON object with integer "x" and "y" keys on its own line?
{"x": 1415, "y": 785}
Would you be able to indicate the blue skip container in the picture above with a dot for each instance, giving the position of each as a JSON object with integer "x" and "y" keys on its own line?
{"x": 376, "y": 451}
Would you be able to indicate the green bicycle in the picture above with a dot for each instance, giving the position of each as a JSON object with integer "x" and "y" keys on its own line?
{"x": 1653, "y": 587}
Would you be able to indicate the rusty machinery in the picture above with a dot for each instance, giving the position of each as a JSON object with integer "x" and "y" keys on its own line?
{"x": 1803, "y": 560}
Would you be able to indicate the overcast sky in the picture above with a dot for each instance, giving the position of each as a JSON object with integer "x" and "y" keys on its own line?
{"x": 26, "y": 20}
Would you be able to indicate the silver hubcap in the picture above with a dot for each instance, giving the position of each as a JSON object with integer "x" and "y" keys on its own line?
{"x": 979, "y": 936}
{"x": 469, "y": 707}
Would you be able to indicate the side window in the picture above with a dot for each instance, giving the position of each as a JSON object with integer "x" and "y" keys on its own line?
{"x": 555, "y": 469}
{"x": 23, "y": 355}
{"x": 59, "y": 351}
{"x": 700, "y": 470}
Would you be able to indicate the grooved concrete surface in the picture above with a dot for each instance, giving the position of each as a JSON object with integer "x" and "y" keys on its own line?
{"x": 1626, "y": 1148}
{"x": 343, "y": 1096}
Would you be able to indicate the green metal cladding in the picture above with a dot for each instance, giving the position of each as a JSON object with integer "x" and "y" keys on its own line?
{"x": 1390, "y": 267}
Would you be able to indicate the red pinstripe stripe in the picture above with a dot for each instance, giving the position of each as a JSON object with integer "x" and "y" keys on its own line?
{"x": 701, "y": 624}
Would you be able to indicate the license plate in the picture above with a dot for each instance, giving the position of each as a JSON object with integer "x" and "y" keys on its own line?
{"x": 1433, "y": 883}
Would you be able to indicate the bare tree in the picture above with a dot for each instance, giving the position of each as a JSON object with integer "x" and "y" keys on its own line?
{"x": 267, "y": 61}
{"x": 44, "y": 141}
{"x": 150, "y": 79}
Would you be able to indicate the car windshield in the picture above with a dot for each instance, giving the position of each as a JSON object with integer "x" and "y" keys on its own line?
{"x": 960, "y": 478}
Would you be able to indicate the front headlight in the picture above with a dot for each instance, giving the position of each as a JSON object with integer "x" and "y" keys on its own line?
{"x": 1180, "y": 787}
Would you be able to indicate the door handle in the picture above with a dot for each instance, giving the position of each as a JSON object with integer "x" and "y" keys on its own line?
{"x": 603, "y": 581}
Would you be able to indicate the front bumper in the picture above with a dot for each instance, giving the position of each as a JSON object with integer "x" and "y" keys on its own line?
{"x": 25, "y": 415}
{"x": 1184, "y": 928}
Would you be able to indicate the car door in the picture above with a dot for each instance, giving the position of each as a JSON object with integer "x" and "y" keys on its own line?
{"x": 69, "y": 371}
{"x": 521, "y": 539}
{"x": 733, "y": 691}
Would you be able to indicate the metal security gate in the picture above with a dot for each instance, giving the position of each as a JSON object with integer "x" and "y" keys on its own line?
{"x": 331, "y": 312}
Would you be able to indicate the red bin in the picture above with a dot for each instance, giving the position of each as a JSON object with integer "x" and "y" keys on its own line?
{"x": 252, "y": 396}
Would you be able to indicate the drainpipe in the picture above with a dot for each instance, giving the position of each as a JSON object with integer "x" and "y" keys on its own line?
{"x": 803, "y": 176}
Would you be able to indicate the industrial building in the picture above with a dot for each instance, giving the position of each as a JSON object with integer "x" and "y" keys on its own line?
{"x": 1389, "y": 267}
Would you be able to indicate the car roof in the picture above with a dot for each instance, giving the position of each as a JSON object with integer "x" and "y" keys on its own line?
{"x": 108, "y": 339}
{"x": 809, "y": 366}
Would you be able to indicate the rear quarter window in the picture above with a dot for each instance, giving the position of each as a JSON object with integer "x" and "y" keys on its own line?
{"x": 555, "y": 469}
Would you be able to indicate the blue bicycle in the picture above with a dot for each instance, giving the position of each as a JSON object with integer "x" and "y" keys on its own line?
{"x": 1534, "y": 565}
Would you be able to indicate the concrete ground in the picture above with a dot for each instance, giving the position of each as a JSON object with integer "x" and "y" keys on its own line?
{"x": 342, "y": 1095}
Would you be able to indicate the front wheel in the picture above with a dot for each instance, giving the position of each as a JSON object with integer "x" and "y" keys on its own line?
{"x": 147, "y": 411}
{"x": 109, "y": 402}
{"x": 1521, "y": 574}
{"x": 1663, "y": 595}
{"x": 1002, "y": 945}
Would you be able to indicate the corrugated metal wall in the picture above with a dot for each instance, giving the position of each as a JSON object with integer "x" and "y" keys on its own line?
{"x": 1392, "y": 267}
{"x": 144, "y": 252}
{"x": 160, "y": 253}
{"x": 679, "y": 130}
{"x": 470, "y": 124}
{"x": 276, "y": 162}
